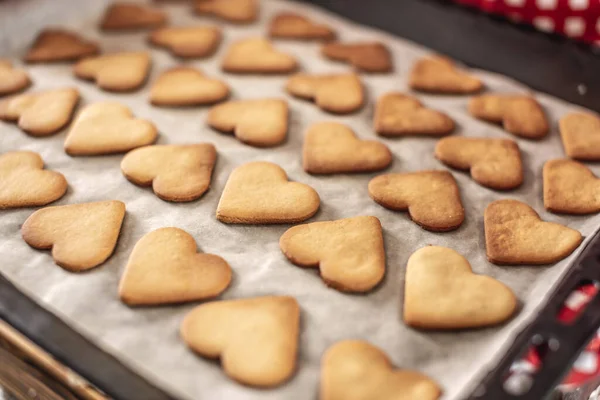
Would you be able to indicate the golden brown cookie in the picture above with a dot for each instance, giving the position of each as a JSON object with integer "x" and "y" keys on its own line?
{"x": 441, "y": 75}
{"x": 357, "y": 370}
{"x": 333, "y": 148}
{"x": 520, "y": 115}
{"x": 580, "y": 133}
{"x": 257, "y": 56}
{"x": 107, "y": 128}
{"x": 164, "y": 267}
{"x": 59, "y": 45}
{"x": 175, "y": 172}
{"x": 342, "y": 93}
{"x": 431, "y": 198}
{"x": 188, "y": 42}
{"x": 12, "y": 80}
{"x": 237, "y": 11}
{"x": 349, "y": 252}
{"x": 187, "y": 86}
{"x": 118, "y": 72}
{"x": 256, "y": 339}
{"x": 81, "y": 236}
{"x": 293, "y": 26}
{"x": 261, "y": 123}
{"x": 397, "y": 114}
{"x": 515, "y": 234}
{"x": 570, "y": 188}
{"x": 25, "y": 183}
{"x": 260, "y": 193}
{"x": 494, "y": 163}
{"x": 442, "y": 292}
{"x": 130, "y": 16}
{"x": 363, "y": 56}
{"x": 40, "y": 113}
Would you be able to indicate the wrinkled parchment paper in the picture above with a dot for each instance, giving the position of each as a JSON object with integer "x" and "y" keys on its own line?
{"x": 147, "y": 339}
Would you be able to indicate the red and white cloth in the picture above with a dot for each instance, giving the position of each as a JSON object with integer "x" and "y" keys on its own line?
{"x": 577, "y": 19}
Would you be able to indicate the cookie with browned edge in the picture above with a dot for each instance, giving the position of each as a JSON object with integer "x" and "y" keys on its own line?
{"x": 288, "y": 25}
{"x": 59, "y": 45}
{"x": 580, "y": 133}
{"x": 118, "y": 72}
{"x": 340, "y": 94}
{"x": 236, "y": 11}
{"x": 257, "y": 56}
{"x": 363, "y": 56}
{"x": 186, "y": 86}
{"x": 131, "y": 16}
{"x": 570, "y": 188}
{"x": 188, "y": 42}
{"x": 441, "y": 75}
{"x": 12, "y": 80}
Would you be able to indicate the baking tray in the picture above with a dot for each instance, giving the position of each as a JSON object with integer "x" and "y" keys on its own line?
{"x": 476, "y": 39}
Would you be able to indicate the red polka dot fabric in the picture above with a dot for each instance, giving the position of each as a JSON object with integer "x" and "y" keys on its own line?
{"x": 577, "y": 19}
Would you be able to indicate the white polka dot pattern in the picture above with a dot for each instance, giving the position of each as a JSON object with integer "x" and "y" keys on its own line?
{"x": 574, "y": 26}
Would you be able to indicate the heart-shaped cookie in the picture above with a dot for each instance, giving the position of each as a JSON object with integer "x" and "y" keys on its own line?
{"x": 494, "y": 163}
{"x": 56, "y": 45}
{"x": 41, "y": 113}
{"x": 261, "y": 123}
{"x": 81, "y": 236}
{"x": 515, "y": 234}
{"x": 238, "y": 11}
{"x": 257, "y": 56}
{"x": 432, "y": 198}
{"x": 348, "y": 252}
{"x": 363, "y": 56}
{"x": 397, "y": 114}
{"x": 442, "y": 292}
{"x": 119, "y": 72}
{"x": 441, "y": 75}
{"x": 256, "y": 339}
{"x": 520, "y": 115}
{"x": 175, "y": 172}
{"x": 293, "y": 26}
{"x": 260, "y": 193}
{"x": 186, "y": 86}
{"x": 580, "y": 133}
{"x": 165, "y": 268}
{"x": 332, "y": 148}
{"x": 12, "y": 80}
{"x": 188, "y": 42}
{"x": 571, "y": 188}
{"x": 107, "y": 128}
{"x": 40, "y": 188}
{"x": 130, "y": 16}
{"x": 342, "y": 94}
{"x": 357, "y": 370}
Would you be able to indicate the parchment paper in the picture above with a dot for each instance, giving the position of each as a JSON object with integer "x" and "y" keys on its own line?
{"x": 147, "y": 339}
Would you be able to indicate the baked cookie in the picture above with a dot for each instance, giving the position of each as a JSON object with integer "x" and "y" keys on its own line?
{"x": 363, "y": 56}
{"x": 257, "y": 56}
{"x": 520, "y": 115}
{"x": 25, "y": 183}
{"x": 293, "y": 26}
{"x": 60, "y": 45}
{"x": 186, "y": 86}
{"x": 515, "y": 234}
{"x": 12, "y": 80}
{"x": 175, "y": 172}
{"x": 441, "y": 75}
{"x": 32, "y": 113}
{"x": 494, "y": 163}
{"x": 333, "y": 148}
{"x": 580, "y": 133}
{"x": 341, "y": 94}
{"x": 130, "y": 16}
{"x": 107, "y": 128}
{"x": 349, "y": 252}
{"x": 357, "y": 370}
{"x": 260, "y": 193}
{"x": 188, "y": 42}
{"x": 256, "y": 339}
{"x": 462, "y": 299}
{"x": 397, "y": 114}
{"x": 431, "y": 198}
{"x": 118, "y": 72}
{"x": 237, "y": 11}
{"x": 81, "y": 236}
{"x": 164, "y": 267}
{"x": 260, "y": 123}
{"x": 570, "y": 188}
